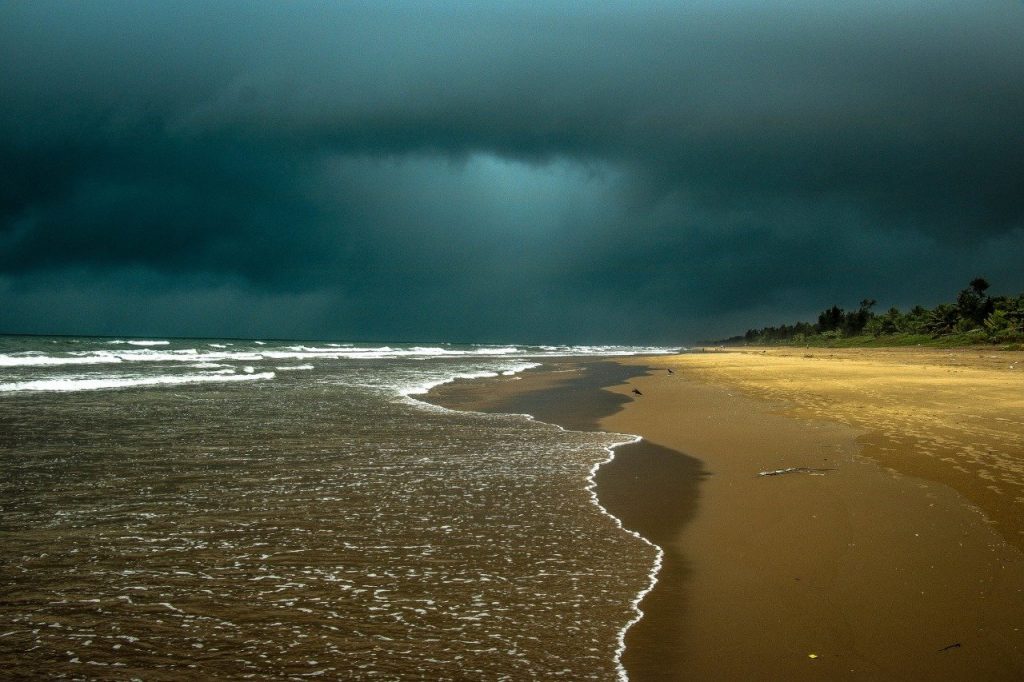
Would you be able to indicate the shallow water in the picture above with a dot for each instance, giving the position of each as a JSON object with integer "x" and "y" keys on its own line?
{"x": 315, "y": 522}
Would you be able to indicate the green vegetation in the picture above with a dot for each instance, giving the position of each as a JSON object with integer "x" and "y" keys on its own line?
{"x": 975, "y": 318}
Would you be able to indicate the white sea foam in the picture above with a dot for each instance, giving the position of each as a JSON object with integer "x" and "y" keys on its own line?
{"x": 591, "y": 488}
{"x": 35, "y": 360}
{"x": 92, "y": 384}
{"x": 179, "y": 355}
{"x": 139, "y": 342}
{"x": 336, "y": 349}
{"x": 659, "y": 557}
{"x": 293, "y": 368}
{"x": 610, "y": 350}
{"x": 421, "y": 389}
{"x": 187, "y": 355}
{"x": 506, "y": 350}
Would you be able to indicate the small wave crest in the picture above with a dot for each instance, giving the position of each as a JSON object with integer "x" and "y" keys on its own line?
{"x": 422, "y": 389}
{"x": 138, "y": 342}
{"x": 93, "y": 384}
{"x": 36, "y": 360}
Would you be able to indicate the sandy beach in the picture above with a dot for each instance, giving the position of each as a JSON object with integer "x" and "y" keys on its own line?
{"x": 891, "y": 551}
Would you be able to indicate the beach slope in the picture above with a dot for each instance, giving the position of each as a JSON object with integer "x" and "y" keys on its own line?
{"x": 887, "y": 546}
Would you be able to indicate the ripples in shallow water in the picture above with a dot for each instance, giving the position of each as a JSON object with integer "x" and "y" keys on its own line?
{"x": 314, "y": 525}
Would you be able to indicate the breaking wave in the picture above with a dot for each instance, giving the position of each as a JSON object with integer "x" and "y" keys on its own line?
{"x": 92, "y": 384}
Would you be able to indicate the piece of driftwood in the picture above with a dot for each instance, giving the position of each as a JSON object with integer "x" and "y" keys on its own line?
{"x": 794, "y": 470}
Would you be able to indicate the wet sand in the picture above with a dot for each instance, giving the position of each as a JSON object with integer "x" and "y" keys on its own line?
{"x": 890, "y": 563}
{"x": 653, "y": 489}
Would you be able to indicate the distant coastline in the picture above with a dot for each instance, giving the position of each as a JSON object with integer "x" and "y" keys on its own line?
{"x": 976, "y": 318}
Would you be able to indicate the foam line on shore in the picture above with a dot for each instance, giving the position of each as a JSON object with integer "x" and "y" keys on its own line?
{"x": 423, "y": 389}
{"x": 591, "y": 488}
{"x": 659, "y": 556}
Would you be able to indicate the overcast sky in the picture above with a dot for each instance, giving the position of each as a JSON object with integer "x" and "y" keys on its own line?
{"x": 656, "y": 172}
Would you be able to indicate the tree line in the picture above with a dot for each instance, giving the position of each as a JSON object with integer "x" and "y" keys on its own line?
{"x": 975, "y": 317}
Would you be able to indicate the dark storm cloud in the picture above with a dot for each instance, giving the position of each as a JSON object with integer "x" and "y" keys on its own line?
{"x": 487, "y": 170}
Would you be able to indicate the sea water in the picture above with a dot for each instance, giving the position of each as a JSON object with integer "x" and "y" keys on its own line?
{"x": 263, "y": 509}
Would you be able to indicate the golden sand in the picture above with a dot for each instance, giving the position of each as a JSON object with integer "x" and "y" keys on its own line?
{"x": 955, "y": 417}
{"x": 900, "y": 559}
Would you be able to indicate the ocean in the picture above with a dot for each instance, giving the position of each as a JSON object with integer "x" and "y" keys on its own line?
{"x": 177, "y": 508}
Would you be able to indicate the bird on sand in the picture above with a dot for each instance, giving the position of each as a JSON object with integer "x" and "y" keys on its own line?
{"x": 670, "y": 371}
{"x": 637, "y": 391}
